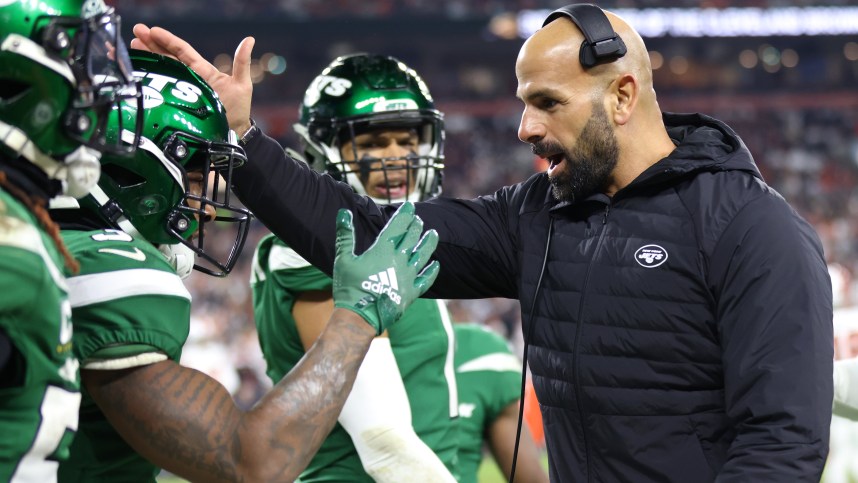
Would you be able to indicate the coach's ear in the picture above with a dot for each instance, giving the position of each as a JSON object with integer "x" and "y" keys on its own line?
{"x": 623, "y": 98}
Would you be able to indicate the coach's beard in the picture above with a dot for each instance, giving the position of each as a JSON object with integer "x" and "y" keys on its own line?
{"x": 589, "y": 163}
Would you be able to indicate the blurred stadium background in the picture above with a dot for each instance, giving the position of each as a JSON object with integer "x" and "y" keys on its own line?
{"x": 782, "y": 73}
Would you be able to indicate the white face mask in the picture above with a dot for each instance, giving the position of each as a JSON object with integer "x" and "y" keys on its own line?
{"x": 180, "y": 257}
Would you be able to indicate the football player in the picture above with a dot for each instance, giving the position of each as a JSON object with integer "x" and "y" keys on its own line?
{"x": 368, "y": 120}
{"x": 136, "y": 236}
{"x": 489, "y": 378}
{"x": 62, "y": 69}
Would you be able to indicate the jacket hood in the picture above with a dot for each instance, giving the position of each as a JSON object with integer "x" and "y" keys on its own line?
{"x": 704, "y": 143}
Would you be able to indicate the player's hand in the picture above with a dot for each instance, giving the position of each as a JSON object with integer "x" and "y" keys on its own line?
{"x": 381, "y": 283}
{"x": 235, "y": 91}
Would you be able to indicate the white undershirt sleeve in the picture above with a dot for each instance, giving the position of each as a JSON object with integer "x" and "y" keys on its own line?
{"x": 377, "y": 416}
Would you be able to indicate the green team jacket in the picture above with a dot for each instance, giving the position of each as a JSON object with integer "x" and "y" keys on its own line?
{"x": 39, "y": 387}
{"x": 422, "y": 343}
{"x": 129, "y": 308}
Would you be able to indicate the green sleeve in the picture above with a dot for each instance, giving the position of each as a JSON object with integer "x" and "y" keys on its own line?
{"x": 293, "y": 273}
{"x": 125, "y": 295}
{"x": 278, "y": 277}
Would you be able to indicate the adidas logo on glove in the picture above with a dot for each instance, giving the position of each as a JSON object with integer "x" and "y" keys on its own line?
{"x": 384, "y": 282}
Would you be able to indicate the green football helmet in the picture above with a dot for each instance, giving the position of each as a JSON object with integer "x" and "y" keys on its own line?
{"x": 63, "y": 69}
{"x": 360, "y": 93}
{"x": 184, "y": 131}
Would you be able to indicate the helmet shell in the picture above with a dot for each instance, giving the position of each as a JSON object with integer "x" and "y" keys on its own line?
{"x": 184, "y": 130}
{"x": 34, "y": 95}
{"x": 59, "y": 80}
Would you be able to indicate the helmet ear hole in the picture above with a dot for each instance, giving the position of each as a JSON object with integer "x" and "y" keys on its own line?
{"x": 10, "y": 89}
{"x": 121, "y": 176}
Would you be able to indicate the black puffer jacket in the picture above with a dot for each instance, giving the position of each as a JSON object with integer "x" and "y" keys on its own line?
{"x": 682, "y": 330}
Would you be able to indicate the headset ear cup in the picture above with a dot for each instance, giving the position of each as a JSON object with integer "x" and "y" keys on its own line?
{"x": 585, "y": 55}
{"x": 589, "y": 54}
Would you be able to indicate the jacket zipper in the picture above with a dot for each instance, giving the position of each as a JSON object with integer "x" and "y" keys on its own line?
{"x": 577, "y": 382}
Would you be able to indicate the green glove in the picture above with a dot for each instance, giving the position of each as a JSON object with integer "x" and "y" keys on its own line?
{"x": 382, "y": 282}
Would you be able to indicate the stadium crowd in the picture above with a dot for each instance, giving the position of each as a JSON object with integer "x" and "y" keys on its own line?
{"x": 388, "y": 8}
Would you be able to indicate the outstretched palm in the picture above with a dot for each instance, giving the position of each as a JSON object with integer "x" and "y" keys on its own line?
{"x": 235, "y": 90}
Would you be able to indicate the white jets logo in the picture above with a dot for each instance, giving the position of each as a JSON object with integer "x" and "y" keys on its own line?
{"x": 330, "y": 85}
{"x": 154, "y": 85}
{"x": 649, "y": 256}
{"x": 134, "y": 255}
{"x": 384, "y": 282}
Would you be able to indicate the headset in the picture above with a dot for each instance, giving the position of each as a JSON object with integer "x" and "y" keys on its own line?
{"x": 601, "y": 44}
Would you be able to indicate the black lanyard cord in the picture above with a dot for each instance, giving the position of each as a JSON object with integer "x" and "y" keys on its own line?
{"x": 526, "y": 345}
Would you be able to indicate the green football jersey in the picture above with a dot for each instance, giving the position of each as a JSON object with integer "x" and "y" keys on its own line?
{"x": 130, "y": 309}
{"x": 422, "y": 343}
{"x": 40, "y": 389}
{"x": 489, "y": 377}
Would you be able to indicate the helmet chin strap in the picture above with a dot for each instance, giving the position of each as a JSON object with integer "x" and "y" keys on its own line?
{"x": 78, "y": 171}
{"x": 102, "y": 199}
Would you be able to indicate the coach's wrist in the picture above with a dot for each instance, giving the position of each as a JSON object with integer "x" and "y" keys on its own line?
{"x": 246, "y": 131}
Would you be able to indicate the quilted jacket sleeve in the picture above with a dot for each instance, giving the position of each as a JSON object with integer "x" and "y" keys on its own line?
{"x": 476, "y": 248}
{"x": 774, "y": 305}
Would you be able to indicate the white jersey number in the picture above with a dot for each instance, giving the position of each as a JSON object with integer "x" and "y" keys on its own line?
{"x": 59, "y": 414}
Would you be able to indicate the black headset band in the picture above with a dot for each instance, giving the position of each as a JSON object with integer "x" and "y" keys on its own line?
{"x": 601, "y": 44}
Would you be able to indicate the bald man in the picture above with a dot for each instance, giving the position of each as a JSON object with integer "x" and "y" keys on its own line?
{"x": 677, "y": 310}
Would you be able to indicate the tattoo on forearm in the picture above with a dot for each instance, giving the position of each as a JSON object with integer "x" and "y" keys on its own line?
{"x": 185, "y": 421}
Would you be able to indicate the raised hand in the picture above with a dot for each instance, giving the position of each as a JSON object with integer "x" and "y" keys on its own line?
{"x": 383, "y": 281}
{"x": 235, "y": 91}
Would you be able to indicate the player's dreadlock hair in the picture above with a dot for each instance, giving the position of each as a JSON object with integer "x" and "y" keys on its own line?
{"x": 37, "y": 207}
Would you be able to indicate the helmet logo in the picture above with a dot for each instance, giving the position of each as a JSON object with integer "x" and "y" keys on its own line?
{"x": 649, "y": 256}
{"x": 155, "y": 84}
{"x": 394, "y": 105}
{"x": 151, "y": 98}
{"x": 42, "y": 114}
{"x": 330, "y": 85}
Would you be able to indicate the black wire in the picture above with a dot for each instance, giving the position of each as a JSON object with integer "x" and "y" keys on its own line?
{"x": 524, "y": 355}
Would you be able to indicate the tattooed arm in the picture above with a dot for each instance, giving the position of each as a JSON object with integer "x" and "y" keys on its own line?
{"x": 186, "y": 422}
